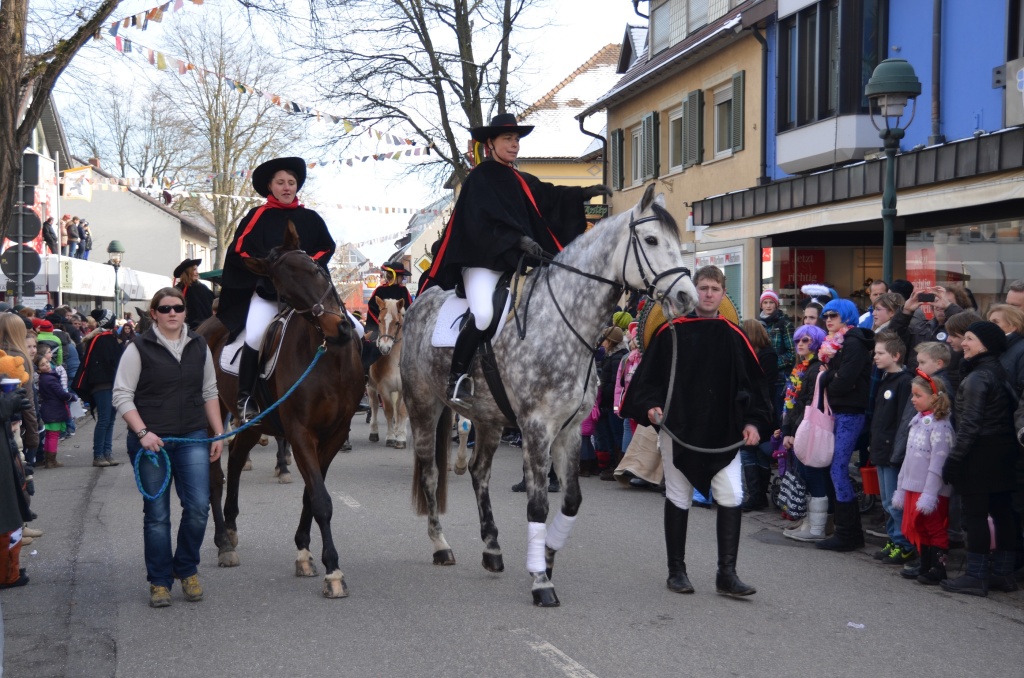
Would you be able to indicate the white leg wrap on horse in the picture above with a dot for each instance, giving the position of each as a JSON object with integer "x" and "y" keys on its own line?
{"x": 561, "y": 526}
{"x": 261, "y": 312}
{"x": 535, "y": 561}
{"x": 356, "y": 325}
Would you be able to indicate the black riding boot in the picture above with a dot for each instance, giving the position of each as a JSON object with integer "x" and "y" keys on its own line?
{"x": 460, "y": 385}
{"x": 726, "y": 581}
{"x": 248, "y": 371}
{"x": 676, "y": 520}
{"x": 849, "y": 535}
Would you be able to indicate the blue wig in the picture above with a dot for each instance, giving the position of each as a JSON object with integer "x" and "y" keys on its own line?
{"x": 846, "y": 309}
{"x": 816, "y": 334}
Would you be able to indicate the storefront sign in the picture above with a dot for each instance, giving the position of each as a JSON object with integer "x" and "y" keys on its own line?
{"x": 798, "y": 267}
{"x": 921, "y": 266}
{"x": 721, "y": 259}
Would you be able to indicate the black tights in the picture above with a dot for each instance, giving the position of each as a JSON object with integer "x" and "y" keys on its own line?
{"x": 977, "y": 509}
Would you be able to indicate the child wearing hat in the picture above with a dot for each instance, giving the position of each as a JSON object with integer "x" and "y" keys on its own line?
{"x": 981, "y": 464}
{"x": 780, "y": 334}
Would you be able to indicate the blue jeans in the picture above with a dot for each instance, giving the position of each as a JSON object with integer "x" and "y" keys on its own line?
{"x": 847, "y": 428}
{"x": 587, "y": 449}
{"x": 816, "y": 479}
{"x": 190, "y": 472}
{"x": 103, "y": 434}
{"x": 72, "y": 249}
{"x": 627, "y": 433}
{"x": 757, "y": 456}
{"x": 887, "y": 477}
{"x": 610, "y": 425}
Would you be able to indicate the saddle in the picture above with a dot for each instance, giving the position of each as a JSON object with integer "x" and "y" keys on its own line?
{"x": 270, "y": 347}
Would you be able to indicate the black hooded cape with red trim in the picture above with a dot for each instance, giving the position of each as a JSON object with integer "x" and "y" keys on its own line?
{"x": 493, "y": 212}
{"x": 716, "y": 392}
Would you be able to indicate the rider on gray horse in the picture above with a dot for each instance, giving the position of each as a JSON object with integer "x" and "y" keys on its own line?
{"x": 500, "y": 214}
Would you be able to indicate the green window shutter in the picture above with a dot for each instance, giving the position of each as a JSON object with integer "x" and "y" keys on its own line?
{"x": 615, "y": 158}
{"x": 656, "y": 145}
{"x": 693, "y": 128}
{"x": 649, "y": 146}
{"x": 737, "y": 112}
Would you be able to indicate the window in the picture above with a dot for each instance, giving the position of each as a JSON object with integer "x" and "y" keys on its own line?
{"x": 817, "y": 78}
{"x": 697, "y": 14}
{"x": 723, "y": 122}
{"x": 659, "y": 23}
{"x": 675, "y": 140}
{"x": 636, "y": 163}
{"x": 1015, "y": 22}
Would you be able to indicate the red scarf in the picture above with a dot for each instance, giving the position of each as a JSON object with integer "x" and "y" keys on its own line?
{"x": 271, "y": 203}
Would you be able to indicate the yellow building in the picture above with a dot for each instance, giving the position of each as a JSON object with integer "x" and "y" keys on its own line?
{"x": 687, "y": 113}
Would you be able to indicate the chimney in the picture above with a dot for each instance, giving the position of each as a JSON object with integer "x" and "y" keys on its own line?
{"x": 95, "y": 162}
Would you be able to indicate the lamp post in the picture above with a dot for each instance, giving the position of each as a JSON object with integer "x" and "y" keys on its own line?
{"x": 892, "y": 85}
{"x": 115, "y": 253}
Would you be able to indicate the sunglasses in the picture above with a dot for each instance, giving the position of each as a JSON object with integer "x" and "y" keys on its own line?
{"x": 803, "y": 340}
{"x": 830, "y": 314}
{"x": 164, "y": 310}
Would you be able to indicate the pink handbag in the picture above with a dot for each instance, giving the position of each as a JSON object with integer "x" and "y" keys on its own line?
{"x": 815, "y": 439}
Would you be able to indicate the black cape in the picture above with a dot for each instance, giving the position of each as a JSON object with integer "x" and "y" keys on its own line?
{"x": 717, "y": 391}
{"x": 493, "y": 212}
{"x": 255, "y": 242}
{"x": 198, "y": 303}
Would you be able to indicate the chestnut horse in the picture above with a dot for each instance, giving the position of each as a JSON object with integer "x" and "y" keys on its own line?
{"x": 314, "y": 419}
{"x": 385, "y": 377}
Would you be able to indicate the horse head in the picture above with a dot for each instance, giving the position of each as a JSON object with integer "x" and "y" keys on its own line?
{"x": 305, "y": 286}
{"x": 652, "y": 257}
{"x": 392, "y": 312}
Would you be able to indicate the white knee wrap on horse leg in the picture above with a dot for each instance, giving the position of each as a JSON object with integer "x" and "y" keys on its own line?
{"x": 356, "y": 325}
{"x": 535, "y": 561}
{"x": 261, "y": 312}
{"x": 561, "y": 526}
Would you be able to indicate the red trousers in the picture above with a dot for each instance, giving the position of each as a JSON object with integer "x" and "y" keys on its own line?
{"x": 926, "y": 530}
{"x": 10, "y": 559}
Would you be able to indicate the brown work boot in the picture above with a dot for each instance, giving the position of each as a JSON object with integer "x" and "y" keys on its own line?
{"x": 191, "y": 589}
{"x": 100, "y": 461}
{"x": 159, "y": 596}
{"x": 51, "y": 460}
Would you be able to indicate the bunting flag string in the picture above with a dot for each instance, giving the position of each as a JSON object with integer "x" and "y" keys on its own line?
{"x": 155, "y": 14}
{"x": 165, "y": 62}
{"x": 379, "y": 239}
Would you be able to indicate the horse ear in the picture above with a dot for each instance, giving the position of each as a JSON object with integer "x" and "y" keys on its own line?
{"x": 291, "y": 238}
{"x": 380, "y": 303}
{"x": 401, "y": 305}
{"x": 648, "y": 199}
{"x": 258, "y": 266}
{"x": 142, "y": 313}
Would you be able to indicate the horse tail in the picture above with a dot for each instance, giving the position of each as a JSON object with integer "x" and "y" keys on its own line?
{"x": 442, "y": 435}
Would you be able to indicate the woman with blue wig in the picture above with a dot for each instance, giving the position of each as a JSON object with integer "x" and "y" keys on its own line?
{"x": 799, "y": 392}
{"x": 846, "y": 356}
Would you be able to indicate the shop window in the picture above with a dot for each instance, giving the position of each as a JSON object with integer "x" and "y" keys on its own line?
{"x": 635, "y": 159}
{"x": 675, "y": 140}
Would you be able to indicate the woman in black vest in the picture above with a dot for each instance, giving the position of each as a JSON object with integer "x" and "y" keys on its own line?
{"x": 166, "y": 386}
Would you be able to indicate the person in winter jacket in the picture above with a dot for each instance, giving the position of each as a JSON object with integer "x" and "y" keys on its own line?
{"x": 1011, "y": 321}
{"x": 95, "y": 382}
{"x": 757, "y": 460}
{"x": 891, "y": 399}
{"x": 846, "y": 355}
{"x": 981, "y": 464}
{"x": 610, "y": 423}
{"x": 914, "y": 327}
{"x": 14, "y": 509}
{"x": 73, "y": 238}
{"x": 920, "y": 492}
{"x": 780, "y": 335}
{"x": 53, "y": 400}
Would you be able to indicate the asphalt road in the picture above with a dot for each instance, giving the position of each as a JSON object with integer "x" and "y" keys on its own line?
{"x": 85, "y": 611}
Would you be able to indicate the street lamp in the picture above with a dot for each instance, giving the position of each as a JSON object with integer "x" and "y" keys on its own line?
{"x": 115, "y": 253}
{"x": 891, "y": 86}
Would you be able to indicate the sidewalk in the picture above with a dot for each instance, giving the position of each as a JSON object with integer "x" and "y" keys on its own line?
{"x": 53, "y": 626}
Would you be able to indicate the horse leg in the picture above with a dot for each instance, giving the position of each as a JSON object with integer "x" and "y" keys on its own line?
{"x": 389, "y": 415}
{"x": 237, "y": 455}
{"x": 313, "y": 465}
{"x": 304, "y": 566}
{"x": 284, "y": 476}
{"x": 432, "y": 426}
{"x": 487, "y": 440}
{"x": 226, "y": 555}
{"x": 401, "y": 417}
{"x": 371, "y": 393}
{"x": 565, "y": 456}
{"x": 536, "y": 444}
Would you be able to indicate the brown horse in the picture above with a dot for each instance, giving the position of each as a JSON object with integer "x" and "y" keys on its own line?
{"x": 385, "y": 377}
{"x": 314, "y": 419}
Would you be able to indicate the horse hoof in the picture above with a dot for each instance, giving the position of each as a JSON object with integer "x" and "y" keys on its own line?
{"x": 248, "y": 465}
{"x": 399, "y": 444}
{"x": 346, "y": 447}
{"x": 264, "y": 441}
{"x": 545, "y": 597}
{"x": 233, "y": 537}
{"x": 305, "y": 568}
{"x": 460, "y": 470}
{"x": 277, "y": 472}
{"x": 335, "y": 588}
{"x": 493, "y": 562}
{"x": 285, "y": 479}
{"x": 228, "y": 559}
{"x": 374, "y": 438}
{"x": 444, "y": 557}
{"x": 389, "y": 443}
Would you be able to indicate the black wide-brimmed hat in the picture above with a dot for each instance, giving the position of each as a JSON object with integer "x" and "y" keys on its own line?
{"x": 185, "y": 265}
{"x": 262, "y": 175}
{"x": 396, "y": 266}
{"x": 501, "y": 123}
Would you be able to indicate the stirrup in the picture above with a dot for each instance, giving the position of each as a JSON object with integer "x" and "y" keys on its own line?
{"x": 459, "y": 394}
{"x": 244, "y": 407}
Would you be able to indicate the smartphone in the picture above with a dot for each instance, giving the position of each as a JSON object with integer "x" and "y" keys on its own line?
{"x": 925, "y": 297}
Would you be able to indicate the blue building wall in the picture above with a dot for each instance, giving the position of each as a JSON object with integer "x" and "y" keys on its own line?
{"x": 973, "y": 43}
{"x": 771, "y": 35}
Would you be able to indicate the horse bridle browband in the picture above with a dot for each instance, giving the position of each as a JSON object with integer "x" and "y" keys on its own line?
{"x": 317, "y": 309}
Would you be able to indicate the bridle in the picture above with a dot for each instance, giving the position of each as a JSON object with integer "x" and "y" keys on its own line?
{"x": 317, "y": 309}
{"x": 649, "y": 287}
{"x": 395, "y": 338}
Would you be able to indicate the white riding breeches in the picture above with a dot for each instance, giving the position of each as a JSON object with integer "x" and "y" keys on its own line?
{"x": 480, "y": 284}
{"x": 357, "y": 326}
{"x": 261, "y": 312}
{"x": 726, "y": 486}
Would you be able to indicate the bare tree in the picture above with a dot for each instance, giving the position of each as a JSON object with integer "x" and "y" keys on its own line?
{"x": 30, "y": 63}
{"x": 437, "y": 67}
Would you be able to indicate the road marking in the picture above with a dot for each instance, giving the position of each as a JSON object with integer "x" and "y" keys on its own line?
{"x": 560, "y": 660}
{"x": 348, "y": 501}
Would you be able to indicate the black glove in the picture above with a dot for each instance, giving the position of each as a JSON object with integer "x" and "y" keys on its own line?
{"x": 531, "y": 247}
{"x": 595, "y": 191}
{"x": 952, "y": 471}
{"x": 13, "y": 403}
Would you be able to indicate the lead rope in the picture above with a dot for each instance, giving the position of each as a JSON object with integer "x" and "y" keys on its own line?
{"x": 668, "y": 401}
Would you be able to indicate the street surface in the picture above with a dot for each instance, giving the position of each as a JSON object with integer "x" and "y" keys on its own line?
{"x": 817, "y": 614}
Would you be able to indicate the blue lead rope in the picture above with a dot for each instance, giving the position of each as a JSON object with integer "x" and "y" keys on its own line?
{"x": 155, "y": 458}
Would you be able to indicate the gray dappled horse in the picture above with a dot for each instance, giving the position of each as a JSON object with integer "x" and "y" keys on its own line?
{"x": 548, "y": 376}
